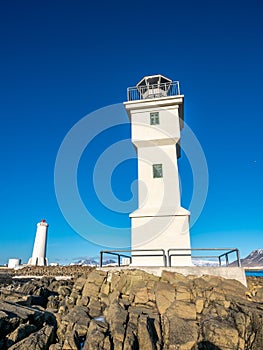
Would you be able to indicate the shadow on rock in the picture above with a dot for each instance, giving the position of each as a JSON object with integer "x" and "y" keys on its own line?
{"x": 206, "y": 345}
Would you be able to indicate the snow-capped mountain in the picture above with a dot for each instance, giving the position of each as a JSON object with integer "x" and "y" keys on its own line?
{"x": 254, "y": 259}
{"x": 199, "y": 262}
{"x": 87, "y": 261}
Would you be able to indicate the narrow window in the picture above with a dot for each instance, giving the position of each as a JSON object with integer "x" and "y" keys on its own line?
{"x": 154, "y": 118}
{"x": 157, "y": 170}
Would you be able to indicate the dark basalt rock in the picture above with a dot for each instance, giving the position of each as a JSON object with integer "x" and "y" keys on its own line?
{"x": 129, "y": 309}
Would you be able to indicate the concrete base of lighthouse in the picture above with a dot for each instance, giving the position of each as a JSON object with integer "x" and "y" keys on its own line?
{"x": 36, "y": 261}
{"x": 152, "y": 234}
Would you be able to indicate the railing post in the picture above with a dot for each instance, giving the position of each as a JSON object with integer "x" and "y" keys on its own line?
{"x": 101, "y": 258}
{"x": 119, "y": 260}
{"x": 219, "y": 259}
{"x": 169, "y": 258}
{"x": 164, "y": 259}
{"x": 227, "y": 261}
{"x": 238, "y": 258}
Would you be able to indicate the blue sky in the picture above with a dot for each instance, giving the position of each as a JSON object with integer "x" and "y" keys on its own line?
{"x": 62, "y": 60}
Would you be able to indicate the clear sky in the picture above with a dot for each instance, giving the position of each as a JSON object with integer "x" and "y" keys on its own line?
{"x": 62, "y": 60}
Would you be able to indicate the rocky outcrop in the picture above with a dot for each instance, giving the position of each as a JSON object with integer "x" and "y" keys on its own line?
{"x": 24, "y": 327}
{"x": 39, "y": 340}
{"x": 52, "y": 271}
{"x": 130, "y": 309}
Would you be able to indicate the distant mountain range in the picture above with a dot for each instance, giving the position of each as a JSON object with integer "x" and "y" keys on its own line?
{"x": 93, "y": 262}
{"x": 254, "y": 259}
{"x": 198, "y": 262}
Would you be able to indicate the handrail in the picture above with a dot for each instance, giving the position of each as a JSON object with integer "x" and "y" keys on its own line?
{"x": 113, "y": 253}
{"x": 116, "y": 252}
{"x": 172, "y": 252}
{"x": 189, "y": 250}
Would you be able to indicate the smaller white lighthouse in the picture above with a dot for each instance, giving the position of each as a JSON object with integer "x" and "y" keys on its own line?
{"x": 39, "y": 251}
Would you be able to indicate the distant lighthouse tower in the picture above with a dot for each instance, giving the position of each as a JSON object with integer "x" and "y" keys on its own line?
{"x": 39, "y": 251}
{"x": 156, "y": 111}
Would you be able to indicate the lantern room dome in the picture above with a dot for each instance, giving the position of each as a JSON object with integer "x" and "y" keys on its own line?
{"x": 153, "y": 79}
{"x": 154, "y": 86}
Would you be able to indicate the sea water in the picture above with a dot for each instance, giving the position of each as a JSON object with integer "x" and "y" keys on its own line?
{"x": 254, "y": 273}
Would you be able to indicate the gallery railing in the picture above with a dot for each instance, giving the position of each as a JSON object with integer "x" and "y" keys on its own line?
{"x": 221, "y": 259}
{"x": 153, "y": 91}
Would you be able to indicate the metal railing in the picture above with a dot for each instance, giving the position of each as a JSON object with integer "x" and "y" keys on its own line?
{"x": 153, "y": 91}
{"x": 116, "y": 253}
{"x": 154, "y": 253}
{"x": 188, "y": 252}
{"x": 174, "y": 252}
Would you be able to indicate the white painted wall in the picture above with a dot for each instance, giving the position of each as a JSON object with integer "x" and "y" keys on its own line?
{"x": 158, "y": 195}
{"x": 167, "y": 132}
{"x": 164, "y": 232}
{"x": 12, "y": 263}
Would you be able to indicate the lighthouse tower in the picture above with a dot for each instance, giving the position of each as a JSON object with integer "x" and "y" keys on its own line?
{"x": 156, "y": 111}
{"x": 39, "y": 251}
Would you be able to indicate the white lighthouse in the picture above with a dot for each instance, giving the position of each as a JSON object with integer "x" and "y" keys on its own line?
{"x": 156, "y": 111}
{"x": 39, "y": 251}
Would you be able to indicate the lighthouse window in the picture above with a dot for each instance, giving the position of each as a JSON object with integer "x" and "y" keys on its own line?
{"x": 157, "y": 170}
{"x": 154, "y": 118}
